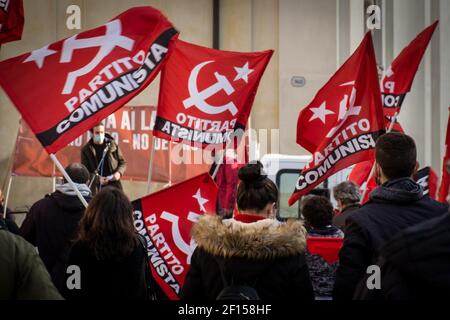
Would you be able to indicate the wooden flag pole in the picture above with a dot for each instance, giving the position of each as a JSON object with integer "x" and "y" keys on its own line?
{"x": 372, "y": 171}
{"x": 69, "y": 180}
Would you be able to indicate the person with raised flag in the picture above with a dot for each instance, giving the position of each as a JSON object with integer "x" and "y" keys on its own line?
{"x": 344, "y": 120}
{"x": 398, "y": 203}
{"x": 250, "y": 252}
{"x": 52, "y": 222}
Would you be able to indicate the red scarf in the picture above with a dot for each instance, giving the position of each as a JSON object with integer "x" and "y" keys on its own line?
{"x": 247, "y": 218}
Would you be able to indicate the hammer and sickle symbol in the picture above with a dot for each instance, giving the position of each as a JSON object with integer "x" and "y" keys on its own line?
{"x": 186, "y": 248}
{"x": 198, "y": 98}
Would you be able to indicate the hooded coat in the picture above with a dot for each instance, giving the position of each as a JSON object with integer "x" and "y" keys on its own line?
{"x": 415, "y": 265}
{"x": 266, "y": 255}
{"x": 392, "y": 207}
{"x": 51, "y": 225}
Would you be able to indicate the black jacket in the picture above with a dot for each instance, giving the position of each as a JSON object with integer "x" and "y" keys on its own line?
{"x": 9, "y": 223}
{"x": 267, "y": 255}
{"x": 114, "y": 162}
{"x": 51, "y": 225}
{"x": 112, "y": 279}
{"x": 415, "y": 265}
{"x": 340, "y": 219}
{"x": 396, "y": 205}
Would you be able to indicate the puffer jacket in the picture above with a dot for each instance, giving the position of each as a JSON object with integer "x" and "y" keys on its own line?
{"x": 266, "y": 254}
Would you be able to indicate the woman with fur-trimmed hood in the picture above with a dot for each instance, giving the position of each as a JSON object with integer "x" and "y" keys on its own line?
{"x": 252, "y": 248}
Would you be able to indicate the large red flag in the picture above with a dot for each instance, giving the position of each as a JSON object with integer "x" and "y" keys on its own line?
{"x": 165, "y": 219}
{"x": 65, "y": 88}
{"x": 11, "y": 20}
{"x": 340, "y": 126}
{"x": 394, "y": 86}
{"x": 445, "y": 179}
{"x": 207, "y": 94}
{"x": 400, "y": 75}
{"x": 360, "y": 175}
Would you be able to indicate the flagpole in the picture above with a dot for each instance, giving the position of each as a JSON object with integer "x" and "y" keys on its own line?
{"x": 8, "y": 189}
{"x": 54, "y": 178}
{"x": 150, "y": 165}
{"x": 372, "y": 171}
{"x": 69, "y": 180}
{"x": 170, "y": 163}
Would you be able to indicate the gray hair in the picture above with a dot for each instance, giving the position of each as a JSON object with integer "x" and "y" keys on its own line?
{"x": 347, "y": 192}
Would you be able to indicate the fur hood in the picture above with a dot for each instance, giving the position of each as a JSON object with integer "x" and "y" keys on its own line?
{"x": 264, "y": 239}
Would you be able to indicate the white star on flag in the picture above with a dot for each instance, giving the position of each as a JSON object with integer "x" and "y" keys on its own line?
{"x": 320, "y": 113}
{"x": 39, "y": 55}
{"x": 243, "y": 72}
{"x": 201, "y": 201}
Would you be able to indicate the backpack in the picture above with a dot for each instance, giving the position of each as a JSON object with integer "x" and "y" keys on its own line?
{"x": 232, "y": 291}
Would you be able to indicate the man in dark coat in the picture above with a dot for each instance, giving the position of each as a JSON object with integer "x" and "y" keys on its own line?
{"x": 52, "y": 223}
{"x": 112, "y": 168}
{"x": 348, "y": 197}
{"x": 415, "y": 265}
{"x": 397, "y": 204}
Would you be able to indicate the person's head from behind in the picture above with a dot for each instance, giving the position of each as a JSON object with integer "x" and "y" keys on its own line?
{"x": 317, "y": 211}
{"x": 396, "y": 157}
{"x": 98, "y": 133}
{"x": 256, "y": 193}
{"x": 346, "y": 194}
{"x": 78, "y": 173}
{"x": 107, "y": 225}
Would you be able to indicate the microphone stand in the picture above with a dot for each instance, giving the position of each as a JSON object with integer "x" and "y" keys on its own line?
{"x": 100, "y": 164}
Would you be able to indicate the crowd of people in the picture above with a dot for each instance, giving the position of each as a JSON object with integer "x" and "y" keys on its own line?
{"x": 249, "y": 255}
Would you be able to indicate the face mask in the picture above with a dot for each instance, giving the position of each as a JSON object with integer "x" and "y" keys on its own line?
{"x": 99, "y": 138}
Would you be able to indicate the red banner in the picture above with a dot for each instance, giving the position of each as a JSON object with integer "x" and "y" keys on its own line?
{"x": 65, "y": 88}
{"x": 340, "y": 126}
{"x": 400, "y": 75}
{"x": 131, "y": 127}
{"x": 445, "y": 176}
{"x": 206, "y": 94}
{"x": 11, "y": 20}
{"x": 166, "y": 224}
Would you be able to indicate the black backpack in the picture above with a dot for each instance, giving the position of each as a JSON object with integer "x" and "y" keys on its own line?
{"x": 232, "y": 291}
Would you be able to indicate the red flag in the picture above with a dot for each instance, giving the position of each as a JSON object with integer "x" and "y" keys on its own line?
{"x": 11, "y": 20}
{"x": 445, "y": 179}
{"x": 340, "y": 126}
{"x": 400, "y": 75}
{"x": 65, "y": 88}
{"x": 165, "y": 219}
{"x": 360, "y": 175}
{"x": 206, "y": 94}
{"x": 427, "y": 178}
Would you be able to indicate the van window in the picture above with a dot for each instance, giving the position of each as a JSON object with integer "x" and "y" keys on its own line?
{"x": 286, "y": 180}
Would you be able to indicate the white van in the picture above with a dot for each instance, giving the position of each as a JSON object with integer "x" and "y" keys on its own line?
{"x": 284, "y": 171}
